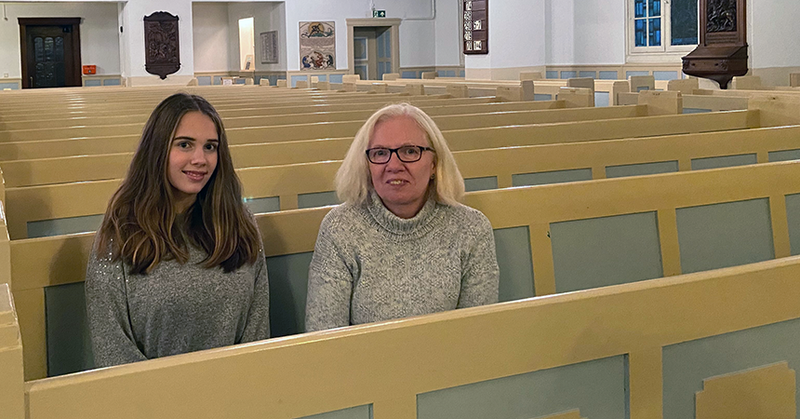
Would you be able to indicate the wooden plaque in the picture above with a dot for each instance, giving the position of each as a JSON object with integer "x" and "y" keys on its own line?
{"x": 161, "y": 44}
{"x": 475, "y": 25}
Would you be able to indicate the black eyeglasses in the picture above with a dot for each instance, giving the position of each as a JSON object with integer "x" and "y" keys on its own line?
{"x": 406, "y": 154}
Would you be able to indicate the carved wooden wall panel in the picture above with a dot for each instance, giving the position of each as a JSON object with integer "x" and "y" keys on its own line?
{"x": 162, "y": 45}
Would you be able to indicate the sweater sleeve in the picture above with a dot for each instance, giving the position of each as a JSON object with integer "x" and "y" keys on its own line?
{"x": 330, "y": 283}
{"x": 107, "y": 311}
{"x": 257, "y": 327}
{"x": 480, "y": 278}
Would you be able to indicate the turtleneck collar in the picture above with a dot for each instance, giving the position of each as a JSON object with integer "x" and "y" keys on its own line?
{"x": 416, "y": 226}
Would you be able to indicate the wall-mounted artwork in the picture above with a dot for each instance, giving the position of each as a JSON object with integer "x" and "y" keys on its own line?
{"x": 317, "y": 46}
{"x": 162, "y": 49}
{"x": 269, "y": 47}
{"x": 476, "y": 26}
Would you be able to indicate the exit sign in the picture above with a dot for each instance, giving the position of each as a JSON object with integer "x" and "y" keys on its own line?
{"x": 379, "y": 13}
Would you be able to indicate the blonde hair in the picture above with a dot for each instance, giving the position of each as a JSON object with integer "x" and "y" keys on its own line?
{"x": 353, "y": 182}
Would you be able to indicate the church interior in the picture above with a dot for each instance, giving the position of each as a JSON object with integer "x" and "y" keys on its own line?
{"x": 636, "y": 160}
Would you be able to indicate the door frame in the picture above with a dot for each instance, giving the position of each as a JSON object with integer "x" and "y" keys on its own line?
{"x": 393, "y": 24}
{"x": 75, "y": 22}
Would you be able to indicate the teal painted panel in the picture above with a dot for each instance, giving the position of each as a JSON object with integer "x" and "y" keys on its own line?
{"x": 317, "y": 199}
{"x": 239, "y": 81}
{"x": 604, "y": 251}
{"x": 793, "y": 216}
{"x": 695, "y": 110}
{"x": 665, "y": 75}
{"x": 642, "y": 169}
{"x": 784, "y": 155}
{"x": 61, "y": 226}
{"x": 551, "y": 74}
{"x": 724, "y": 161}
{"x": 112, "y": 82}
{"x": 217, "y": 80}
{"x": 721, "y": 235}
{"x": 288, "y": 287}
{"x": 461, "y": 73}
{"x": 69, "y": 346}
{"x": 322, "y": 77}
{"x": 592, "y": 74}
{"x": 628, "y": 74}
{"x": 92, "y": 83}
{"x": 601, "y": 99}
{"x": 336, "y": 78}
{"x": 295, "y": 79}
{"x": 358, "y": 412}
{"x": 262, "y": 205}
{"x": 12, "y": 86}
{"x": 480, "y": 183}
{"x": 608, "y": 75}
{"x": 598, "y": 388}
{"x": 204, "y": 81}
{"x": 687, "y": 364}
{"x": 542, "y": 96}
{"x": 409, "y": 75}
{"x": 569, "y": 74}
{"x": 556, "y": 176}
{"x": 513, "y": 247}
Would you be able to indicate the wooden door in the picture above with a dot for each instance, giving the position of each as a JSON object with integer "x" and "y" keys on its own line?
{"x": 50, "y": 52}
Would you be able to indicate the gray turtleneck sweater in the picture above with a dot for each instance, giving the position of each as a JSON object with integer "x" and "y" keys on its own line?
{"x": 370, "y": 265}
{"x": 174, "y": 309}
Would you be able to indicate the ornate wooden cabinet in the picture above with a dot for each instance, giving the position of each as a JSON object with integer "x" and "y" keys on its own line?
{"x": 722, "y": 52}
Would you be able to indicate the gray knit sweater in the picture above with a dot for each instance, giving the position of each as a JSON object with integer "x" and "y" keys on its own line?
{"x": 370, "y": 265}
{"x": 174, "y": 309}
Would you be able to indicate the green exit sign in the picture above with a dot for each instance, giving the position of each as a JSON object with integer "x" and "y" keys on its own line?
{"x": 379, "y": 13}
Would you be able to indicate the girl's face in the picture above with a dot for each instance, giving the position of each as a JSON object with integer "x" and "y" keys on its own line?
{"x": 192, "y": 157}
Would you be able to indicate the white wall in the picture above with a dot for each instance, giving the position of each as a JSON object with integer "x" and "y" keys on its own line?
{"x": 416, "y": 37}
{"x": 516, "y": 36}
{"x": 772, "y": 34}
{"x": 98, "y": 30}
{"x": 585, "y": 32}
{"x": 267, "y": 17}
{"x": 448, "y": 33}
{"x": 133, "y": 39}
{"x": 210, "y": 37}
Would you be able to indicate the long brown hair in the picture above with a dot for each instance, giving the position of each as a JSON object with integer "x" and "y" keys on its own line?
{"x": 140, "y": 223}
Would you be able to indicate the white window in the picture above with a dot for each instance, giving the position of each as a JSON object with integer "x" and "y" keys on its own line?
{"x": 661, "y": 28}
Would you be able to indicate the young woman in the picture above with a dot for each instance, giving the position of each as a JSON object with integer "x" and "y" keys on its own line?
{"x": 178, "y": 264}
{"x": 401, "y": 244}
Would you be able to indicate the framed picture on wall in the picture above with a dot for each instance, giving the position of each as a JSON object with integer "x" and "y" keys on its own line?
{"x": 269, "y": 47}
{"x": 475, "y": 27}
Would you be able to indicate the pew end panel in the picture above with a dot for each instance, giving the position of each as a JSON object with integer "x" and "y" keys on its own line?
{"x": 12, "y": 380}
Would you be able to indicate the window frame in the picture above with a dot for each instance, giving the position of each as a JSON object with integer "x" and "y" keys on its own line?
{"x": 666, "y": 52}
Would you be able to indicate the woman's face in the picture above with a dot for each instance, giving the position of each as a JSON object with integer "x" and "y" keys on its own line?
{"x": 402, "y": 187}
{"x": 192, "y": 157}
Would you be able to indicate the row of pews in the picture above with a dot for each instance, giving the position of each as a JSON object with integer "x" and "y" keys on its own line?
{"x": 661, "y": 288}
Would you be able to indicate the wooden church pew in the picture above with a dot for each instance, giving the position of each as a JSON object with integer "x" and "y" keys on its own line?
{"x": 282, "y": 187}
{"x": 550, "y": 239}
{"x": 243, "y": 117}
{"x": 578, "y": 131}
{"x": 502, "y": 118}
{"x": 95, "y": 168}
{"x": 31, "y": 207}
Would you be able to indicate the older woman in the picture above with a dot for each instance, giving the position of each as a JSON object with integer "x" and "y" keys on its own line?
{"x": 401, "y": 244}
